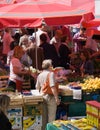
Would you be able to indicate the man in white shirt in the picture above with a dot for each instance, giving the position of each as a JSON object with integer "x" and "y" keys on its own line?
{"x": 38, "y": 33}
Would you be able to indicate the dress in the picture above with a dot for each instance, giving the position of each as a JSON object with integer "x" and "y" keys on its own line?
{"x": 4, "y": 122}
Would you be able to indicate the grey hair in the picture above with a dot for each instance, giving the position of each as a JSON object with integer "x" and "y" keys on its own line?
{"x": 46, "y": 64}
{"x": 4, "y": 102}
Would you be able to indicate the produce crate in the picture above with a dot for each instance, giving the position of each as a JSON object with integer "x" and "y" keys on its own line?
{"x": 32, "y": 117}
{"x": 93, "y": 113}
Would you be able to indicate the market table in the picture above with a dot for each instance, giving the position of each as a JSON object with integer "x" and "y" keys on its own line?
{"x": 77, "y": 107}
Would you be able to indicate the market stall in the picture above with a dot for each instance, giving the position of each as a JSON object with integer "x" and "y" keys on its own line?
{"x": 90, "y": 122}
{"x": 76, "y": 94}
{"x": 26, "y": 110}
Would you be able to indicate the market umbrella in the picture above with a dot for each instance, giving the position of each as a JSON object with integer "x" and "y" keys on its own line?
{"x": 92, "y": 23}
{"x": 31, "y": 13}
{"x": 93, "y": 26}
{"x": 93, "y": 30}
{"x": 9, "y": 1}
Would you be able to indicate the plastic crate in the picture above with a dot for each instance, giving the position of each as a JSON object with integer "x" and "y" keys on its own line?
{"x": 93, "y": 113}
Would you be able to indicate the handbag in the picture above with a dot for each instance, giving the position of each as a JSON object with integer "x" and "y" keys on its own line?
{"x": 46, "y": 89}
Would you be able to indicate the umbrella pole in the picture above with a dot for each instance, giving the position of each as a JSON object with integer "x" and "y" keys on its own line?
{"x": 36, "y": 51}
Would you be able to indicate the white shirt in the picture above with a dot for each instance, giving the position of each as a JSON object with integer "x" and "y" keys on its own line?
{"x": 37, "y": 35}
{"x": 15, "y": 62}
{"x": 42, "y": 77}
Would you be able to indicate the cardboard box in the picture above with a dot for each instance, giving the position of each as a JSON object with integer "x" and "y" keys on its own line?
{"x": 15, "y": 111}
{"x": 16, "y": 122}
{"x": 32, "y": 122}
{"x": 30, "y": 110}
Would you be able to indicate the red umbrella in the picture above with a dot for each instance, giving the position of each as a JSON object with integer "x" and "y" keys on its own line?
{"x": 92, "y": 23}
{"x": 31, "y": 13}
{"x": 93, "y": 26}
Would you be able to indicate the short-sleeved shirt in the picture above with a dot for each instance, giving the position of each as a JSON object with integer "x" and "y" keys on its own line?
{"x": 41, "y": 79}
{"x": 15, "y": 62}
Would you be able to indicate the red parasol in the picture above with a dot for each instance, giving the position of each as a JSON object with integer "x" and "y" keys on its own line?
{"x": 92, "y": 23}
{"x": 31, "y": 13}
{"x": 93, "y": 26}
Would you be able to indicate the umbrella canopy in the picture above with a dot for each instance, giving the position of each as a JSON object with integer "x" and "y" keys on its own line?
{"x": 92, "y": 23}
{"x": 93, "y": 26}
{"x": 31, "y": 13}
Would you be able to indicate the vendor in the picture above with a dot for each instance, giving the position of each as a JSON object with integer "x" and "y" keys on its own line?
{"x": 16, "y": 70}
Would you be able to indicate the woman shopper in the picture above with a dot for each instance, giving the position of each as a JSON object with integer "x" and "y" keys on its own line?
{"x": 46, "y": 84}
{"x": 86, "y": 65}
{"x": 16, "y": 70}
{"x": 4, "y": 121}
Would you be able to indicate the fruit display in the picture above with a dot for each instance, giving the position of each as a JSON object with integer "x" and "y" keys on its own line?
{"x": 91, "y": 84}
{"x": 79, "y": 124}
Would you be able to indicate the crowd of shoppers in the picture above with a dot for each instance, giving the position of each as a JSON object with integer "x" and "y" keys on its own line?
{"x": 45, "y": 53}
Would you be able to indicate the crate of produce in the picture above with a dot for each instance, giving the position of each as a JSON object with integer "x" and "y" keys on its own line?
{"x": 93, "y": 113}
{"x": 80, "y": 124}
